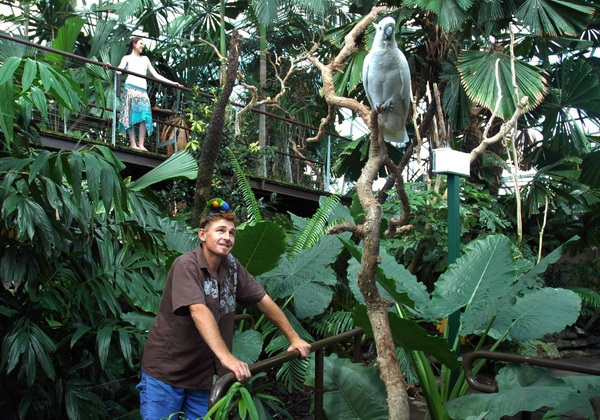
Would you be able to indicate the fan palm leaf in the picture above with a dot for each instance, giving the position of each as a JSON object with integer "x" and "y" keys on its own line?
{"x": 480, "y": 80}
{"x": 555, "y": 17}
{"x": 450, "y": 13}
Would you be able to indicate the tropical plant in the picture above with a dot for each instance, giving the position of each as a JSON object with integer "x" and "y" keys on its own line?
{"x": 82, "y": 261}
{"x": 525, "y": 388}
{"x": 498, "y": 296}
{"x": 248, "y": 400}
{"x": 351, "y": 390}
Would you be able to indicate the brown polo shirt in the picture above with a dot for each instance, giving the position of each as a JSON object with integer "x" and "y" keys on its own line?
{"x": 175, "y": 353}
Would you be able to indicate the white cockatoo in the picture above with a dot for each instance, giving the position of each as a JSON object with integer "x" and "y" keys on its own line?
{"x": 386, "y": 79}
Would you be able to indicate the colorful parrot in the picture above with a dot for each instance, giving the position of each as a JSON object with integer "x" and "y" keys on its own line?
{"x": 216, "y": 205}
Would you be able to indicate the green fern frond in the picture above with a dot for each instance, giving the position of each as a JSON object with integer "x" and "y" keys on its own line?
{"x": 589, "y": 297}
{"x": 316, "y": 226}
{"x": 292, "y": 374}
{"x": 407, "y": 366}
{"x": 334, "y": 323}
{"x": 249, "y": 198}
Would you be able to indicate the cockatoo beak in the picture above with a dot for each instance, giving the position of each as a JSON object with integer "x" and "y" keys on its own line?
{"x": 388, "y": 32}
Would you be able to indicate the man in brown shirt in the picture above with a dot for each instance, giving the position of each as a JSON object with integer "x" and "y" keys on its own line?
{"x": 191, "y": 338}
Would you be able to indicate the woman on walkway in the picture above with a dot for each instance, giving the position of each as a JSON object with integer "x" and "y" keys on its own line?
{"x": 136, "y": 115}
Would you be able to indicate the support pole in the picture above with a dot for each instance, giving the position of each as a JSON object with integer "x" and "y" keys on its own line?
{"x": 453, "y": 242}
{"x": 116, "y": 82}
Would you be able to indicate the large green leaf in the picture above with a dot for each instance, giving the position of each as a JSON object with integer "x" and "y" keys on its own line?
{"x": 259, "y": 246}
{"x": 8, "y": 69}
{"x": 537, "y": 313}
{"x": 476, "y": 283}
{"x": 526, "y": 388}
{"x": 7, "y": 110}
{"x": 528, "y": 279}
{"x": 180, "y": 165}
{"x": 478, "y": 74}
{"x": 393, "y": 279}
{"x": 352, "y": 391}
{"x": 307, "y": 277}
{"x": 409, "y": 336}
{"x": 354, "y": 156}
{"x": 555, "y": 17}
{"x": 590, "y": 170}
{"x": 247, "y": 345}
{"x": 65, "y": 39}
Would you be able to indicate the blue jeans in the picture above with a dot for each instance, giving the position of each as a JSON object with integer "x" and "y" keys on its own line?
{"x": 159, "y": 400}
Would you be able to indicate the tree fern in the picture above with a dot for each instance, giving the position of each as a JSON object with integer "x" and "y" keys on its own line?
{"x": 247, "y": 194}
{"x": 315, "y": 228}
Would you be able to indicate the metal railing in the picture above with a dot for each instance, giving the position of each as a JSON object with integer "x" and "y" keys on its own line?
{"x": 285, "y": 166}
{"x": 223, "y": 384}
{"x": 469, "y": 360}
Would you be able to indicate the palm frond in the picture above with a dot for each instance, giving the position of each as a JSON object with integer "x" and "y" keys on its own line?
{"x": 589, "y": 297}
{"x": 249, "y": 198}
{"x": 315, "y": 228}
{"x": 478, "y": 74}
{"x": 180, "y": 165}
{"x": 450, "y": 13}
{"x": 555, "y": 18}
{"x": 407, "y": 366}
{"x": 293, "y": 373}
{"x": 334, "y": 323}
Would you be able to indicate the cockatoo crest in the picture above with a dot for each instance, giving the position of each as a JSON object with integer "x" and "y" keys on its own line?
{"x": 386, "y": 79}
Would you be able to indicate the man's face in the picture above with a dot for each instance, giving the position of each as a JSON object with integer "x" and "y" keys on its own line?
{"x": 218, "y": 237}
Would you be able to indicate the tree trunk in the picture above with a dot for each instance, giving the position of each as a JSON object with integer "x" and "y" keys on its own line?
{"x": 367, "y": 279}
{"x": 369, "y": 231}
{"x": 262, "y": 118}
{"x": 214, "y": 133}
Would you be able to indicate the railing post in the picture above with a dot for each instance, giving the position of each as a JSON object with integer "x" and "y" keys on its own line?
{"x": 117, "y": 81}
{"x": 356, "y": 350}
{"x": 319, "y": 389}
{"x": 328, "y": 164}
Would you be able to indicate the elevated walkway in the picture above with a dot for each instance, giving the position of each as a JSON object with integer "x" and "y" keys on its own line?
{"x": 298, "y": 178}
{"x": 293, "y": 198}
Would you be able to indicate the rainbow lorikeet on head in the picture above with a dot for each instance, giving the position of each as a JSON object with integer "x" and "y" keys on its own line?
{"x": 217, "y": 205}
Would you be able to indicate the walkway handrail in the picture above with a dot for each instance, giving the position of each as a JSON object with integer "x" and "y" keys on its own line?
{"x": 470, "y": 358}
{"x": 223, "y": 384}
{"x": 117, "y": 69}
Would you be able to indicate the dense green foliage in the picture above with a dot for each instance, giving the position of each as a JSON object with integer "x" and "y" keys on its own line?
{"x": 84, "y": 250}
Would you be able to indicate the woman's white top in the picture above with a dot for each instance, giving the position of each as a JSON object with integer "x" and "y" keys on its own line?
{"x": 139, "y": 65}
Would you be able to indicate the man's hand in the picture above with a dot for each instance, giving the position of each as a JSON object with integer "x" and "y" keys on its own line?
{"x": 302, "y": 346}
{"x": 240, "y": 369}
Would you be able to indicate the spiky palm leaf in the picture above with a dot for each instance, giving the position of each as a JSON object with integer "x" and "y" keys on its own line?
{"x": 588, "y": 296}
{"x": 334, "y": 323}
{"x": 247, "y": 193}
{"x": 315, "y": 228}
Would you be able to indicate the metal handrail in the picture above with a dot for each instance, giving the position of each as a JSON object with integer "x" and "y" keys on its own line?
{"x": 470, "y": 358}
{"x": 223, "y": 384}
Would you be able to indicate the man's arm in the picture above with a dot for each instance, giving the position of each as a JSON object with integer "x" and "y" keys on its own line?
{"x": 278, "y": 318}
{"x": 207, "y": 326}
